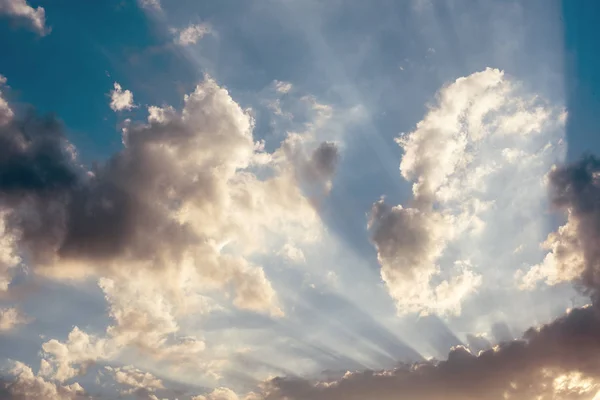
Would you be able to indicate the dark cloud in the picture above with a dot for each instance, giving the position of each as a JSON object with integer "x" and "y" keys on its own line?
{"x": 560, "y": 360}
{"x": 576, "y": 189}
{"x": 519, "y": 369}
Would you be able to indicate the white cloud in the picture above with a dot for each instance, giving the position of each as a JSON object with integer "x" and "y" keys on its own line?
{"x": 135, "y": 379}
{"x": 292, "y": 253}
{"x": 10, "y": 318}
{"x": 27, "y": 385}
{"x": 282, "y": 87}
{"x": 477, "y": 159}
{"x": 121, "y": 99}
{"x": 150, "y": 4}
{"x": 564, "y": 261}
{"x": 191, "y": 34}
{"x": 196, "y": 208}
{"x": 6, "y": 113}
{"x": 19, "y": 9}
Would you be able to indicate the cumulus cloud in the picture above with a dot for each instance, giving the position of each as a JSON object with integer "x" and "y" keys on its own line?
{"x": 174, "y": 216}
{"x": 34, "y": 18}
{"x": 121, "y": 99}
{"x": 10, "y": 318}
{"x": 558, "y": 360}
{"x": 26, "y": 385}
{"x": 457, "y": 157}
{"x": 574, "y": 254}
{"x": 191, "y": 34}
{"x": 135, "y": 380}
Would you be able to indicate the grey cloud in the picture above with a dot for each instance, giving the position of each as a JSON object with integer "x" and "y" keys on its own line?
{"x": 576, "y": 188}
{"x": 518, "y": 369}
{"x": 555, "y": 361}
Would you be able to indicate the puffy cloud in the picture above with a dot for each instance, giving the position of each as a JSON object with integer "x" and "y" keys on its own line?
{"x": 191, "y": 34}
{"x": 174, "y": 216}
{"x": 135, "y": 380}
{"x": 6, "y": 113}
{"x": 292, "y": 253}
{"x": 574, "y": 253}
{"x": 10, "y": 318}
{"x": 26, "y": 385}
{"x": 558, "y": 361}
{"x": 180, "y": 201}
{"x": 35, "y": 18}
{"x": 121, "y": 99}
{"x": 458, "y": 156}
{"x": 282, "y": 87}
{"x": 564, "y": 262}
{"x": 64, "y": 361}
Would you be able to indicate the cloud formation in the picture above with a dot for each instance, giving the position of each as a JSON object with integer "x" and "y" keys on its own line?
{"x": 575, "y": 190}
{"x": 174, "y": 216}
{"x": 26, "y": 385}
{"x": 558, "y": 360}
{"x": 10, "y": 318}
{"x": 34, "y": 18}
{"x": 150, "y": 4}
{"x": 481, "y": 130}
{"x": 121, "y": 99}
{"x": 191, "y": 34}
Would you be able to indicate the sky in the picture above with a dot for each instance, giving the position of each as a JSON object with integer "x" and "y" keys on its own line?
{"x": 299, "y": 200}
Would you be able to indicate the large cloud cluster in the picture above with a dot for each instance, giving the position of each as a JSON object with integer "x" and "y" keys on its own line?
{"x": 483, "y": 132}
{"x": 177, "y": 214}
{"x": 555, "y": 361}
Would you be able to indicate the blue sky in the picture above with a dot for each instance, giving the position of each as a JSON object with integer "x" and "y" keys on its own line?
{"x": 244, "y": 193}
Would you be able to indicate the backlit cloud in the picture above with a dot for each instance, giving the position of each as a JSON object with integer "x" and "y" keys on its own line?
{"x": 20, "y": 10}
{"x": 457, "y": 156}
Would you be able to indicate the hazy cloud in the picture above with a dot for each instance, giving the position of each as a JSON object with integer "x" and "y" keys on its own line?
{"x": 191, "y": 34}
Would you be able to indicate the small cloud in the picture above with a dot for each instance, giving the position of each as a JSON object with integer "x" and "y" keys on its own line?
{"x": 121, "y": 99}
{"x": 292, "y": 253}
{"x": 11, "y": 318}
{"x": 282, "y": 87}
{"x": 35, "y": 18}
{"x": 150, "y": 4}
{"x": 191, "y": 34}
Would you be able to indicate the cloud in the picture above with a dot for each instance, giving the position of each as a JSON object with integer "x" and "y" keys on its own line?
{"x": 135, "y": 380}
{"x": 282, "y": 87}
{"x": 121, "y": 99}
{"x": 223, "y": 393}
{"x": 150, "y": 4}
{"x": 558, "y": 360}
{"x": 10, "y": 318}
{"x": 563, "y": 263}
{"x": 191, "y": 34}
{"x": 35, "y": 18}
{"x": 26, "y": 385}
{"x": 175, "y": 216}
{"x": 574, "y": 254}
{"x": 457, "y": 157}
{"x": 6, "y": 113}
